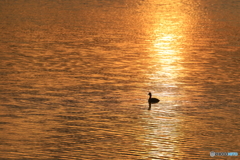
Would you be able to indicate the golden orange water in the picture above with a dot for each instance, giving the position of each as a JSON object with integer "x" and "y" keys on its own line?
{"x": 75, "y": 77}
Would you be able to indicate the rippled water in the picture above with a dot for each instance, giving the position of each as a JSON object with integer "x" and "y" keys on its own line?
{"x": 75, "y": 77}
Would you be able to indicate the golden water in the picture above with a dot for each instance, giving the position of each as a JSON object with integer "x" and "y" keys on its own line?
{"x": 75, "y": 77}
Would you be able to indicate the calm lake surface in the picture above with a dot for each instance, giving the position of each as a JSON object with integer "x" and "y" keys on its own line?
{"x": 75, "y": 77}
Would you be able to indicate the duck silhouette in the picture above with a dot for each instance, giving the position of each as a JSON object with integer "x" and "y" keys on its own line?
{"x": 152, "y": 100}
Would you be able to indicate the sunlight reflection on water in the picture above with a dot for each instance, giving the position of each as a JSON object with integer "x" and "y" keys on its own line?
{"x": 75, "y": 78}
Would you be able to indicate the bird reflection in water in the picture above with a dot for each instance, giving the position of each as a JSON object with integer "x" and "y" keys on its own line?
{"x": 152, "y": 100}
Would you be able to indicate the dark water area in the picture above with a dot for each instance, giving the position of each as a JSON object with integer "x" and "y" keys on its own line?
{"x": 75, "y": 78}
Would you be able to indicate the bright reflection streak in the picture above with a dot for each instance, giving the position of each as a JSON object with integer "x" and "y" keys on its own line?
{"x": 168, "y": 53}
{"x": 166, "y": 57}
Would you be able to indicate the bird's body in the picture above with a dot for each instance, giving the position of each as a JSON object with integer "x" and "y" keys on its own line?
{"x": 152, "y": 100}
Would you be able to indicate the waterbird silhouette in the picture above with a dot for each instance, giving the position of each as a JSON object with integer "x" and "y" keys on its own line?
{"x": 152, "y": 100}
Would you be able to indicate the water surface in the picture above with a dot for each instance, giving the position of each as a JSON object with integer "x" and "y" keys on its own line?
{"x": 75, "y": 77}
